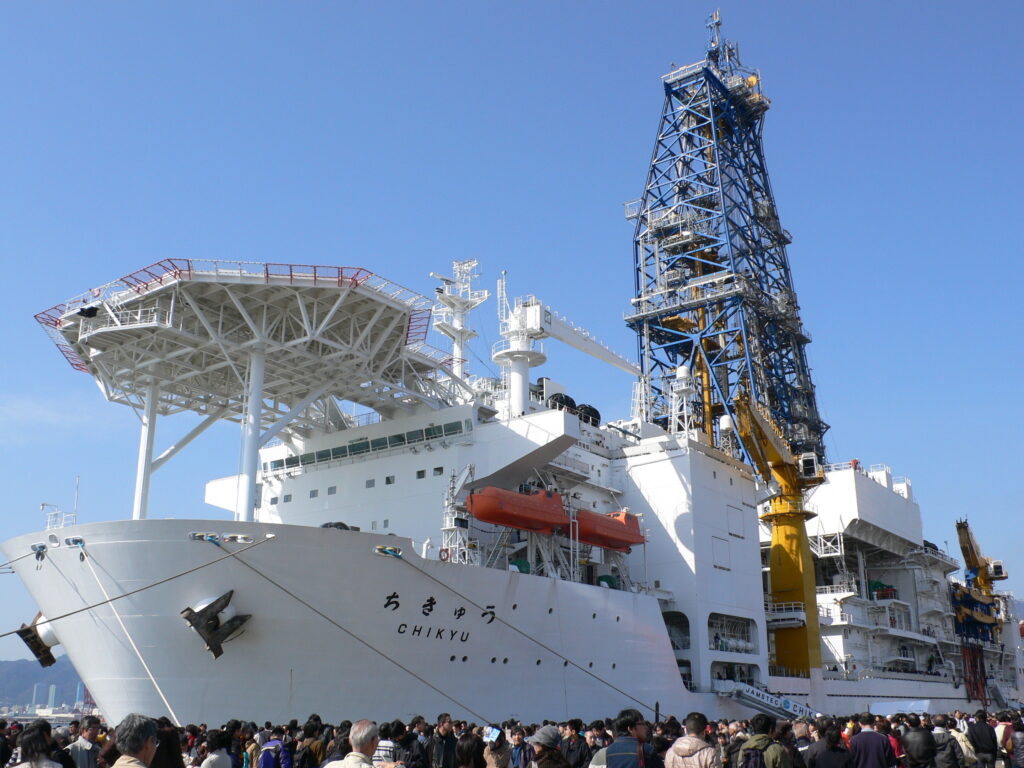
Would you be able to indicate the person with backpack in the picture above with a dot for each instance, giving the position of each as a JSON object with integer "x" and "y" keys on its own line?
{"x": 761, "y": 750}
{"x": 274, "y": 754}
{"x": 310, "y": 752}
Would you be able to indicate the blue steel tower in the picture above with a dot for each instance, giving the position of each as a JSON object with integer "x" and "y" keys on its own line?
{"x": 713, "y": 286}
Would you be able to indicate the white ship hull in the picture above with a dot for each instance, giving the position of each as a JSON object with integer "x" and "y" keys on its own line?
{"x": 579, "y": 650}
{"x": 554, "y": 648}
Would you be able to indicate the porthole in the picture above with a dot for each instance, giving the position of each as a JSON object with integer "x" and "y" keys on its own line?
{"x": 613, "y": 665}
{"x": 565, "y": 663}
{"x": 504, "y": 661}
{"x": 617, "y": 618}
{"x": 593, "y": 615}
{"x": 590, "y": 665}
{"x": 550, "y": 610}
{"x": 465, "y": 658}
{"x": 451, "y": 659}
{"x": 538, "y": 662}
{"x": 514, "y": 606}
{"x": 493, "y": 659}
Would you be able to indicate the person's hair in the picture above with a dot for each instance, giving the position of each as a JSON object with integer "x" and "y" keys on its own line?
{"x": 35, "y": 744}
{"x": 980, "y": 715}
{"x": 696, "y": 724}
{"x": 310, "y": 729}
{"x": 913, "y": 720}
{"x": 267, "y": 725}
{"x": 384, "y": 731}
{"x": 217, "y": 740}
{"x": 277, "y": 730}
{"x": 442, "y": 717}
{"x": 133, "y": 733}
{"x": 1018, "y": 724}
{"x": 397, "y": 729}
{"x": 469, "y": 752}
{"x": 628, "y": 718}
{"x": 576, "y": 724}
{"x": 866, "y": 718}
{"x": 762, "y": 723}
{"x": 89, "y": 721}
{"x": 833, "y": 735}
{"x": 660, "y": 745}
{"x": 940, "y": 721}
{"x": 363, "y": 732}
{"x": 518, "y": 729}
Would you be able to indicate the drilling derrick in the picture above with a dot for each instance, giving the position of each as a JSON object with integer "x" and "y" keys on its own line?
{"x": 713, "y": 286}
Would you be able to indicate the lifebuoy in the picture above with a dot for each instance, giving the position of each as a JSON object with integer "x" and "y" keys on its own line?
{"x": 444, "y": 554}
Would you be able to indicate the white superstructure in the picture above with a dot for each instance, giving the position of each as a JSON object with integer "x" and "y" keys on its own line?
{"x": 354, "y": 575}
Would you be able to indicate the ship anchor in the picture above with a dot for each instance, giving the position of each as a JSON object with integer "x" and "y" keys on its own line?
{"x": 207, "y": 622}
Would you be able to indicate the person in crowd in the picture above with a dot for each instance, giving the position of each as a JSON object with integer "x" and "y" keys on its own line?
{"x": 310, "y": 750}
{"x": 773, "y": 754}
{"x": 737, "y": 738}
{"x": 363, "y": 738}
{"x": 408, "y": 749}
{"x": 274, "y": 754}
{"x": 630, "y": 748}
{"x": 982, "y": 737}
{"x": 522, "y": 753}
{"x": 784, "y": 735}
{"x": 802, "y": 737}
{"x": 497, "y": 752}
{"x": 821, "y": 726}
{"x": 168, "y": 751}
{"x": 217, "y": 745}
{"x": 918, "y": 743}
{"x": 970, "y": 759}
{"x": 34, "y": 747}
{"x": 441, "y": 747}
{"x": 833, "y": 752}
{"x": 870, "y": 749}
{"x": 385, "y": 752}
{"x": 947, "y": 750}
{"x": 85, "y": 749}
{"x": 692, "y": 750}
{"x": 574, "y": 747}
{"x": 136, "y": 741}
{"x": 545, "y": 743}
{"x": 1016, "y": 745}
{"x": 469, "y": 750}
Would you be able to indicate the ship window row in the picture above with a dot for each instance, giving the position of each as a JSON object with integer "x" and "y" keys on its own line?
{"x": 366, "y": 445}
{"x": 370, "y": 483}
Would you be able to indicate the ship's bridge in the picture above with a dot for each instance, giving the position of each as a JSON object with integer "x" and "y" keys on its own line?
{"x": 273, "y": 346}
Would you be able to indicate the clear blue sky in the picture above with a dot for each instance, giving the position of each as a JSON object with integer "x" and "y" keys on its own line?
{"x": 399, "y": 136}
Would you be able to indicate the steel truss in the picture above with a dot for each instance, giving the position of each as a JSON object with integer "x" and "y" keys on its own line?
{"x": 712, "y": 278}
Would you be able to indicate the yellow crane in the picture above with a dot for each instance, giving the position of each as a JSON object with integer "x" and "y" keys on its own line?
{"x": 797, "y": 648}
{"x": 986, "y": 569}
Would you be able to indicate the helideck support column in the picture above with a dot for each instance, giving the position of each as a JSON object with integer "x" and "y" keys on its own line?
{"x": 246, "y": 503}
{"x": 144, "y": 467}
{"x": 518, "y": 385}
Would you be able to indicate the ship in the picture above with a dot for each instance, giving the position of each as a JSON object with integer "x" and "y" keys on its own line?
{"x": 408, "y": 537}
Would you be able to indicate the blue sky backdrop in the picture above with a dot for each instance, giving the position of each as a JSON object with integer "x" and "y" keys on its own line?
{"x": 400, "y": 136}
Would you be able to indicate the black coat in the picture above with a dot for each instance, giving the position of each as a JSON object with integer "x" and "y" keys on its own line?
{"x": 983, "y": 738}
{"x": 919, "y": 744}
{"x": 948, "y": 753}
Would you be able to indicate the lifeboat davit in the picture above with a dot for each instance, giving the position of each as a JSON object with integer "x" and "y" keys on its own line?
{"x": 538, "y": 511}
{"x": 618, "y": 531}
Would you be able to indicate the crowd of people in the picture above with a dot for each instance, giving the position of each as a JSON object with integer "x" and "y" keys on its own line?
{"x": 954, "y": 740}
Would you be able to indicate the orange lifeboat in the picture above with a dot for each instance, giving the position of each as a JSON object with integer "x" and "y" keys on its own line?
{"x": 618, "y": 530}
{"x": 539, "y": 511}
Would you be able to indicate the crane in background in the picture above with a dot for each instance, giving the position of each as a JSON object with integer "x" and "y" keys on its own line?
{"x": 798, "y": 642}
